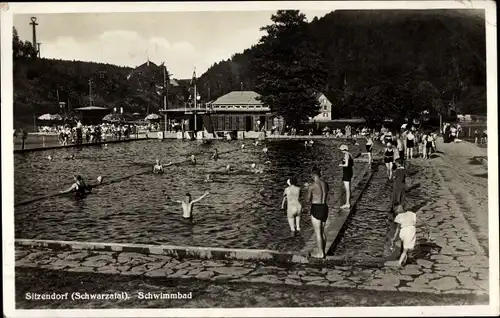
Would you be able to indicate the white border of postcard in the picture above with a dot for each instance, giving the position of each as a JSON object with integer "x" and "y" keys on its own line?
{"x": 7, "y": 11}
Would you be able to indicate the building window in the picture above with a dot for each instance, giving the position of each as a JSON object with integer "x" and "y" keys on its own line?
{"x": 325, "y": 107}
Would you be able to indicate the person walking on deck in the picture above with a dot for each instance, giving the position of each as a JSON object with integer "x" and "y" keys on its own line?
{"x": 389, "y": 159}
{"x": 369, "y": 147}
{"x": 399, "y": 187}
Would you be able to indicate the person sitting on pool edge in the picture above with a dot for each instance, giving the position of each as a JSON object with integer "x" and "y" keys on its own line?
{"x": 158, "y": 168}
{"x": 187, "y": 204}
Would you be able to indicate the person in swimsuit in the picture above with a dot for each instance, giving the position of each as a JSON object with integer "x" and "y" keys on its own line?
{"x": 317, "y": 195}
{"x": 158, "y": 167}
{"x": 215, "y": 156}
{"x": 193, "y": 160}
{"x": 79, "y": 187}
{"x": 399, "y": 188}
{"x": 400, "y": 146}
{"x": 484, "y": 136}
{"x": 187, "y": 204}
{"x": 389, "y": 159}
{"x": 347, "y": 172}
{"x": 293, "y": 206}
{"x": 423, "y": 145}
{"x": 429, "y": 145}
{"x": 369, "y": 147}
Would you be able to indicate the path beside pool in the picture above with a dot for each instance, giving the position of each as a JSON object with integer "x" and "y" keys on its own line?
{"x": 453, "y": 260}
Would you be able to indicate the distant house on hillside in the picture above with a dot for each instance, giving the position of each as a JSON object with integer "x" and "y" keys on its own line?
{"x": 325, "y": 108}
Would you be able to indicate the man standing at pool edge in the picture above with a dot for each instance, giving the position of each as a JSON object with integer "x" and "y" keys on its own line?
{"x": 317, "y": 195}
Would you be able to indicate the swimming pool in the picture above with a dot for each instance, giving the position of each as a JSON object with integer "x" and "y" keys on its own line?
{"x": 242, "y": 210}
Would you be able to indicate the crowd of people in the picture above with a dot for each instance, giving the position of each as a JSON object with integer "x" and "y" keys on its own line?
{"x": 407, "y": 143}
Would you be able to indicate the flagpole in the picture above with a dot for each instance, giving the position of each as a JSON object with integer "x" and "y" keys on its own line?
{"x": 165, "y": 95}
{"x": 195, "y": 100}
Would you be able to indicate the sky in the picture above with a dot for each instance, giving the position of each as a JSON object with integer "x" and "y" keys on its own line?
{"x": 183, "y": 40}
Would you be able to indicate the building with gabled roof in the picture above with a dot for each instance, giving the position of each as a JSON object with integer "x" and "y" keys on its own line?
{"x": 237, "y": 110}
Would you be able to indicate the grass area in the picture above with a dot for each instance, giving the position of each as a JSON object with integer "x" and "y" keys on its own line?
{"x": 209, "y": 294}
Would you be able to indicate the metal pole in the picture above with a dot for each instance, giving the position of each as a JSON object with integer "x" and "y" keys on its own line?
{"x": 195, "y": 100}
{"x": 90, "y": 92}
{"x": 440, "y": 123}
{"x": 165, "y": 96}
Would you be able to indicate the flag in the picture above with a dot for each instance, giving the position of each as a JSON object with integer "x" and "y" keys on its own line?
{"x": 193, "y": 80}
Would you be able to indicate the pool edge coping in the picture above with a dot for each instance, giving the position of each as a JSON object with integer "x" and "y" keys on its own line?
{"x": 198, "y": 252}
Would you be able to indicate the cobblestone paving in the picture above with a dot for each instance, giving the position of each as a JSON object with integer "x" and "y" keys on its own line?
{"x": 450, "y": 261}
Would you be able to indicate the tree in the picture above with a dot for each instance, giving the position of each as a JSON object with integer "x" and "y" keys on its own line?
{"x": 288, "y": 69}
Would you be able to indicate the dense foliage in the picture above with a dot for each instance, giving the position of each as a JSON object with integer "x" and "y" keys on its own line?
{"x": 290, "y": 72}
{"x": 381, "y": 63}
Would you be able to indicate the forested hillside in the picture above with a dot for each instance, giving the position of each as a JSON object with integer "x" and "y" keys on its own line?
{"x": 375, "y": 63}
{"x": 374, "y": 56}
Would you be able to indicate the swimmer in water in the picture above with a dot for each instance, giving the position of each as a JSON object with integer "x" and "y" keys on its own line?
{"x": 228, "y": 168}
{"x": 79, "y": 187}
{"x": 256, "y": 143}
{"x": 49, "y": 157}
{"x": 158, "y": 167}
{"x": 242, "y": 147}
{"x": 291, "y": 198}
{"x": 207, "y": 178}
{"x": 193, "y": 159}
{"x": 187, "y": 204}
{"x": 252, "y": 167}
{"x": 215, "y": 156}
{"x": 72, "y": 157}
{"x": 99, "y": 180}
{"x": 264, "y": 150}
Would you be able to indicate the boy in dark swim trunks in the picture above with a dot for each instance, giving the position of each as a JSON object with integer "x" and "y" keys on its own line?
{"x": 317, "y": 195}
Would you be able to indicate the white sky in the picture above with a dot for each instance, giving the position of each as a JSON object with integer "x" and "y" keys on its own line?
{"x": 182, "y": 39}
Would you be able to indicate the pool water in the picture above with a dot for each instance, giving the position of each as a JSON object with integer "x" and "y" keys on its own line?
{"x": 242, "y": 210}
